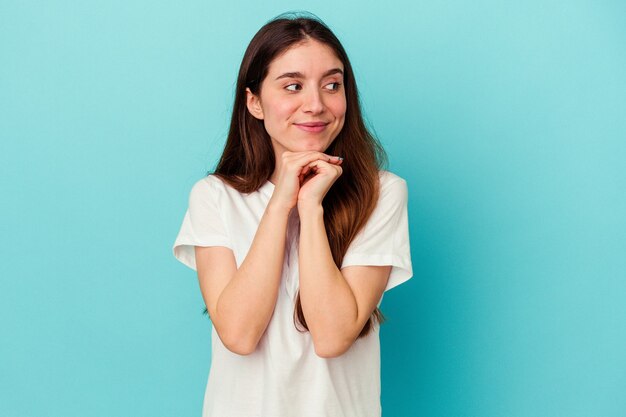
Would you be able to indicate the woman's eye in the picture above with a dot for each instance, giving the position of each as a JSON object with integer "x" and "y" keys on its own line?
{"x": 292, "y": 87}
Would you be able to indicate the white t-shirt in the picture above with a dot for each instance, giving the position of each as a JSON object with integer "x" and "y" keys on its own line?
{"x": 284, "y": 377}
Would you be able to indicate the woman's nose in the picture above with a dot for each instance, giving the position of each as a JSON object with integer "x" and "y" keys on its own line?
{"x": 313, "y": 101}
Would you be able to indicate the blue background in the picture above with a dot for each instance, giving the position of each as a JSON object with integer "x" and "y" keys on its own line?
{"x": 507, "y": 119}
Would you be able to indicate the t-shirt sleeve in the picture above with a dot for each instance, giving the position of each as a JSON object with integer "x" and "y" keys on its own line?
{"x": 384, "y": 240}
{"x": 202, "y": 224}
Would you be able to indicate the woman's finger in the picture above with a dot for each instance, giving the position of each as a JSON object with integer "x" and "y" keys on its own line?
{"x": 304, "y": 158}
{"x": 289, "y": 156}
{"x": 319, "y": 164}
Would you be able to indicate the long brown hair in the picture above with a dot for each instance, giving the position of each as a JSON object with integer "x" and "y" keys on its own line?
{"x": 248, "y": 161}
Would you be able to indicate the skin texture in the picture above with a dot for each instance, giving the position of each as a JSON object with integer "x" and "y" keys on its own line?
{"x": 336, "y": 303}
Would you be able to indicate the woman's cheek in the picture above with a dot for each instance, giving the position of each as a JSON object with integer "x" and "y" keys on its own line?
{"x": 287, "y": 107}
{"x": 340, "y": 106}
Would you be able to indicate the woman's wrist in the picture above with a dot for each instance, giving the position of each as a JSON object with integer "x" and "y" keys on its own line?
{"x": 278, "y": 209}
{"x": 310, "y": 208}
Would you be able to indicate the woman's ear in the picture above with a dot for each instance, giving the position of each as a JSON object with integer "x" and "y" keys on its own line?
{"x": 254, "y": 104}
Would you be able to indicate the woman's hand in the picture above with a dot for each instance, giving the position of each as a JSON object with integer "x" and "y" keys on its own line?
{"x": 304, "y": 177}
{"x": 317, "y": 178}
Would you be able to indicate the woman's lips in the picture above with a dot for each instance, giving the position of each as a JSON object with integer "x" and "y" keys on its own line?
{"x": 315, "y": 128}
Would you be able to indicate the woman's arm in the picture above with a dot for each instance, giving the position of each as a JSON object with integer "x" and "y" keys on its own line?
{"x": 336, "y": 305}
{"x": 241, "y": 301}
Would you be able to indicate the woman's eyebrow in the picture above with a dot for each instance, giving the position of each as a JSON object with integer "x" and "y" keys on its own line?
{"x": 300, "y": 75}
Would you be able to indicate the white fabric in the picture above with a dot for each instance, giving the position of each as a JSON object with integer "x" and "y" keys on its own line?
{"x": 284, "y": 377}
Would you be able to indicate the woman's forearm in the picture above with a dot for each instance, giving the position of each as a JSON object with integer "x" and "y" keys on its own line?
{"x": 247, "y": 303}
{"x": 327, "y": 300}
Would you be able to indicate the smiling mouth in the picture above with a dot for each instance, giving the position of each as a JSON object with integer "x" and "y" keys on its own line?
{"x": 312, "y": 127}
{"x": 312, "y": 124}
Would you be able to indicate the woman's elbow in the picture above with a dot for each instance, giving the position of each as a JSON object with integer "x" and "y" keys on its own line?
{"x": 239, "y": 345}
{"x": 328, "y": 351}
{"x": 240, "y": 348}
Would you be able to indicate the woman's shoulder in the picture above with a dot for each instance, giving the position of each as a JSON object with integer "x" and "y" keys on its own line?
{"x": 388, "y": 177}
{"x": 205, "y": 183}
{"x": 392, "y": 187}
{"x": 210, "y": 181}
{"x": 208, "y": 186}
{"x": 216, "y": 184}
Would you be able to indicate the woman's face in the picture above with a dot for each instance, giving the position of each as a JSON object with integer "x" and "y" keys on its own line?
{"x": 304, "y": 85}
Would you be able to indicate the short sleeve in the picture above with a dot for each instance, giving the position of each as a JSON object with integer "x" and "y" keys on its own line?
{"x": 202, "y": 224}
{"x": 384, "y": 240}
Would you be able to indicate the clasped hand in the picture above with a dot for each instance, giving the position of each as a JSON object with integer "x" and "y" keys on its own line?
{"x": 304, "y": 178}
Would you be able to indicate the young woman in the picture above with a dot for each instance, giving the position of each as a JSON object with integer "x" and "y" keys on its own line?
{"x": 293, "y": 245}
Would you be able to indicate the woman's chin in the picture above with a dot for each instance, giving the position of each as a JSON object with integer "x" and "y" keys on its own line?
{"x": 304, "y": 147}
